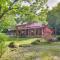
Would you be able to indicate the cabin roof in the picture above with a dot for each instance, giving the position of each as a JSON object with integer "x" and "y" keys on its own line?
{"x": 30, "y": 25}
{"x": 34, "y": 25}
{"x": 27, "y": 26}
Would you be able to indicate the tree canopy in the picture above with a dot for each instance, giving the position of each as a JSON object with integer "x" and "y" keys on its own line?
{"x": 13, "y": 11}
{"x": 54, "y": 18}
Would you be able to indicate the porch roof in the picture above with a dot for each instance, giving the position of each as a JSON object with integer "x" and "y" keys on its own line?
{"x": 30, "y": 25}
{"x": 34, "y": 25}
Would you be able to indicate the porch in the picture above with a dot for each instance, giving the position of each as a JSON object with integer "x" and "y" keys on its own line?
{"x": 30, "y": 32}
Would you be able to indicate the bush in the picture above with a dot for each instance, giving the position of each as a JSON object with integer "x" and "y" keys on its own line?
{"x": 58, "y": 38}
{"x": 36, "y": 42}
{"x": 12, "y": 45}
{"x": 3, "y": 37}
{"x": 2, "y": 48}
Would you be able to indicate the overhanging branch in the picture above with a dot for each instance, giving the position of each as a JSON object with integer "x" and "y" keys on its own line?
{"x": 8, "y": 9}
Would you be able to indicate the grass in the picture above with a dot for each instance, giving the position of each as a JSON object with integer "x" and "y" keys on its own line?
{"x": 21, "y": 41}
{"x": 43, "y": 51}
{"x": 39, "y": 50}
{"x": 31, "y": 54}
{"x": 27, "y": 41}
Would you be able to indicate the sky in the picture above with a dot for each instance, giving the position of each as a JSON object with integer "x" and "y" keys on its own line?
{"x": 52, "y": 3}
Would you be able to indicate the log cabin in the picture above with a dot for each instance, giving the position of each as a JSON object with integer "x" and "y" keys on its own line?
{"x": 33, "y": 30}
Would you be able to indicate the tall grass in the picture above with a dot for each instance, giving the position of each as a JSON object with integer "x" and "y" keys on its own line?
{"x": 3, "y": 38}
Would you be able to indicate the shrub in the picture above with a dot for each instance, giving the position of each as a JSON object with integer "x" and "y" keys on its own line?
{"x": 58, "y": 38}
{"x": 2, "y": 48}
{"x": 36, "y": 42}
{"x": 3, "y": 38}
{"x": 12, "y": 45}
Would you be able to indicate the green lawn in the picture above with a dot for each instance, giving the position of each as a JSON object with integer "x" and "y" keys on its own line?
{"x": 20, "y": 41}
{"x": 43, "y": 51}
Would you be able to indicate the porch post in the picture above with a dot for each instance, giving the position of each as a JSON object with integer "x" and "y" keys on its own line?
{"x": 17, "y": 33}
{"x": 35, "y": 32}
{"x": 38, "y": 32}
{"x": 25, "y": 32}
{"x": 42, "y": 32}
{"x": 28, "y": 32}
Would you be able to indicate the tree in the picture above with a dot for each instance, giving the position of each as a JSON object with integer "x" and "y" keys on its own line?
{"x": 54, "y": 18}
{"x": 12, "y": 11}
{"x": 29, "y": 13}
{"x": 11, "y": 8}
{"x": 8, "y": 5}
{"x": 43, "y": 15}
